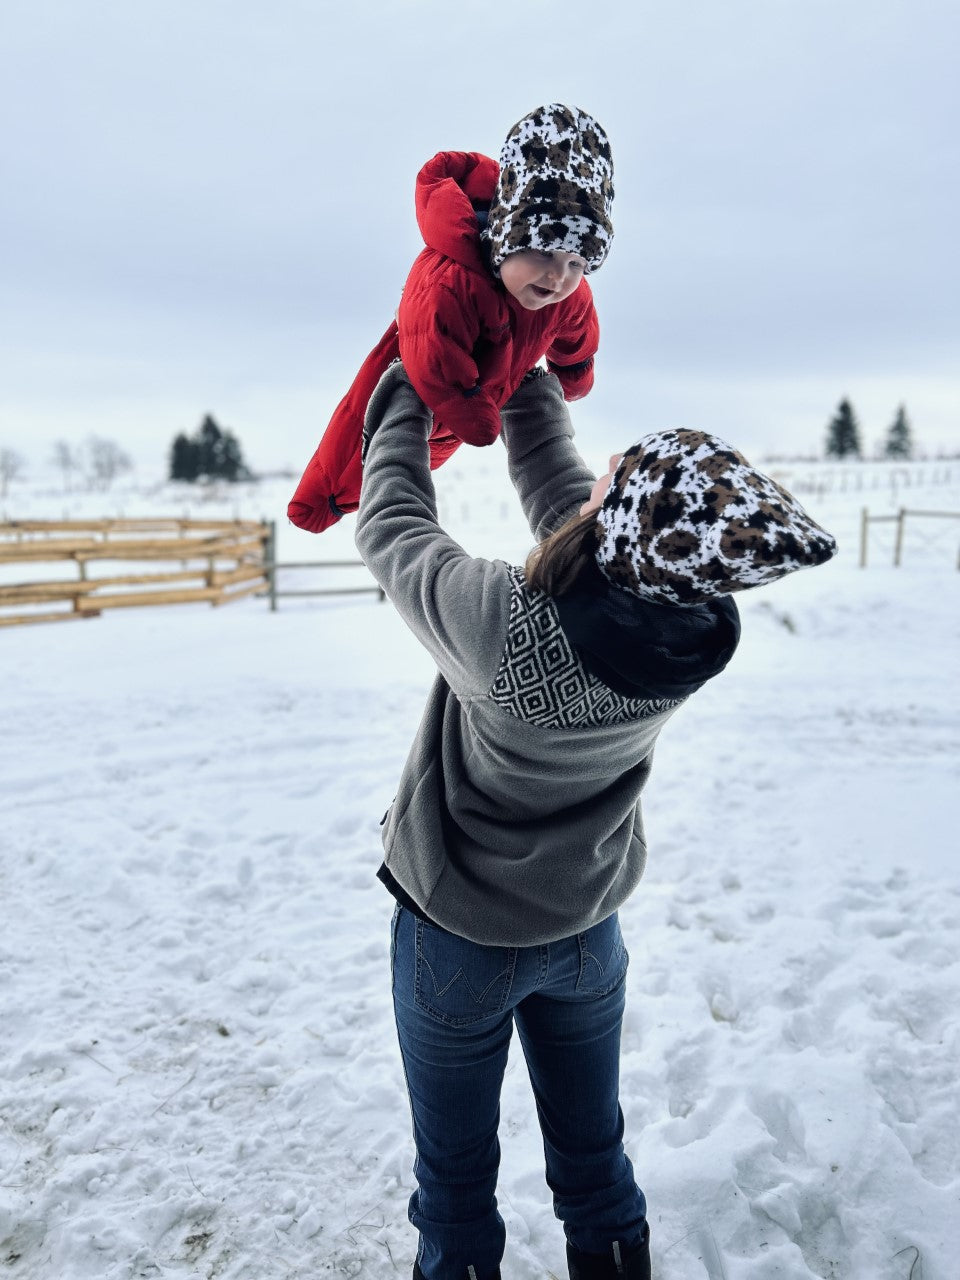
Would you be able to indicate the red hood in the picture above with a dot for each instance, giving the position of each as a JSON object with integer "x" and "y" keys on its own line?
{"x": 446, "y": 187}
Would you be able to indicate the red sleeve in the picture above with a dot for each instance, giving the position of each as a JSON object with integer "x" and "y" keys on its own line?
{"x": 570, "y": 355}
{"x": 439, "y": 327}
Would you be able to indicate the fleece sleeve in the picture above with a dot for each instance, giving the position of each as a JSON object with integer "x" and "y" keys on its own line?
{"x": 551, "y": 479}
{"x": 457, "y": 606}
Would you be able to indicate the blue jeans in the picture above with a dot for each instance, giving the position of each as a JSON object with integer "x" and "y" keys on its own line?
{"x": 455, "y": 1004}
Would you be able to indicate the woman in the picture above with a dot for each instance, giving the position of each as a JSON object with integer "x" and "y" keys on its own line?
{"x": 516, "y": 831}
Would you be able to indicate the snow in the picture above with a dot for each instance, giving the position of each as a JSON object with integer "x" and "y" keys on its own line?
{"x": 198, "y": 1070}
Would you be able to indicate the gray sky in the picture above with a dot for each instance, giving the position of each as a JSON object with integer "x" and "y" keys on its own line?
{"x": 207, "y": 205}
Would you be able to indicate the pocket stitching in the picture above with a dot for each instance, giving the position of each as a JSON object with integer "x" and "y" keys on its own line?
{"x": 423, "y": 1003}
{"x": 618, "y": 961}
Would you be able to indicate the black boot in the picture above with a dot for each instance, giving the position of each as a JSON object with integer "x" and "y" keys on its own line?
{"x": 634, "y": 1265}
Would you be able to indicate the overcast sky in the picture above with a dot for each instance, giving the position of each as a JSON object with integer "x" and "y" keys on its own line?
{"x": 207, "y": 206}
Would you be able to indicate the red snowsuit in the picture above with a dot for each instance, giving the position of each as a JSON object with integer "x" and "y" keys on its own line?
{"x": 464, "y": 341}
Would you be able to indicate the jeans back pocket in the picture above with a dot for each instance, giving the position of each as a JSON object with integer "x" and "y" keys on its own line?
{"x": 460, "y": 982}
{"x": 603, "y": 957}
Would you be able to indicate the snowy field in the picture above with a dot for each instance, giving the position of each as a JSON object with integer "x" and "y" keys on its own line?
{"x": 198, "y": 1071}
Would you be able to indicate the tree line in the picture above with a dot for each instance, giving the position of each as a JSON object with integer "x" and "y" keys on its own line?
{"x": 211, "y": 453}
{"x": 844, "y": 440}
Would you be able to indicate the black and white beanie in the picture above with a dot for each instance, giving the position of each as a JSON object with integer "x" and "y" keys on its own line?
{"x": 687, "y": 518}
{"x": 555, "y": 189}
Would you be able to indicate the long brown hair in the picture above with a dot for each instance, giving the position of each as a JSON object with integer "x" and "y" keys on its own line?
{"x": 556, "y": 564}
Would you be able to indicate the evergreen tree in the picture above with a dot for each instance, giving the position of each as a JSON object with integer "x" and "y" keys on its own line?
{"x": 899, "y": 441}
{"x": 209, "y": 437}
{"x": 210, "y": 453}
{"x": 184, "y": 458}
{"x": 843, "y": 433}
{"x": 230, "y": 459}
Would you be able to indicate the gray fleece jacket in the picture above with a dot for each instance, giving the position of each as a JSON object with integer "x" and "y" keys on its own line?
{"x": 517, "y": 816}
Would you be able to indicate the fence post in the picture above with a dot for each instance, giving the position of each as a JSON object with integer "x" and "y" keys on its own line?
{"x": 271, "y": 565}
{"x": 864, "y": 523}
{"x": 82, "y": 574}
{"x": 898, "y": 545}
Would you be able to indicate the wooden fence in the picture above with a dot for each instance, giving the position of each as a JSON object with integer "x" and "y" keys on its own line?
{"x": 900, "y": 519}
{"x": 274, "y": 568}
{"x": 217, "y": 561}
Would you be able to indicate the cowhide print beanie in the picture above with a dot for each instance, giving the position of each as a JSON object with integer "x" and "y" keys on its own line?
{"x": 555, "y": 189}
{"x": 686, "y": 518}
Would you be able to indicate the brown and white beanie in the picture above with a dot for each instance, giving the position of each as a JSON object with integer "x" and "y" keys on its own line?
{"x": 686, "y": 518}
{"x": 555, "y": 189}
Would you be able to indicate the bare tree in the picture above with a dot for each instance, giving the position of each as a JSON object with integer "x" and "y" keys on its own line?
{"x": 11, "y": 466}
{"x": 105, "y": 461}
{"x": 68, "y": 460}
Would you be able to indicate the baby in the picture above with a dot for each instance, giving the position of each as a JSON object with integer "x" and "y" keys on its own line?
{"x": 499, "y": 286}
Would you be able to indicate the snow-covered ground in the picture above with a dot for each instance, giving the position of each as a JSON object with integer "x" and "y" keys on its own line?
{"x": 198, "y": 1071}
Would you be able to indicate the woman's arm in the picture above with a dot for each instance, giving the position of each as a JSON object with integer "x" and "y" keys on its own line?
{"x": 551, "y": 479}
{"x": 457, "y": 605}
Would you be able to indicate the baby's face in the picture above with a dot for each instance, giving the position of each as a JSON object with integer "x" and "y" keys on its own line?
{"x": 538, "y": 279}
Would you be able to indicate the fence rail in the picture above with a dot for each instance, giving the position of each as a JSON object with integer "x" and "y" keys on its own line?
{"x": 217, "y": 561}
{"x": 824, "y": 478}
{"x": 900, "y": 519}
{"x": 220, "y": 561}
{"x": 275, "y": 594}
{"x": 274, "y": 567}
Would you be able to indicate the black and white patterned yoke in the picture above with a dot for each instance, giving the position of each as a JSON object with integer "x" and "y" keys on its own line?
{"x": 542, "y": 680}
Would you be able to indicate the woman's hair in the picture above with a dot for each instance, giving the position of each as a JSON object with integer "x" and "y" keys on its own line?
{"x": 556, "y": 564}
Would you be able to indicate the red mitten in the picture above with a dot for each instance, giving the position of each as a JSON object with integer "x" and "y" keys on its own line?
{"x": 472, "y": 417}
{"x": 576, "y": 379}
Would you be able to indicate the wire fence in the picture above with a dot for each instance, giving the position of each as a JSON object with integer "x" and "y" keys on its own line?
{"x": 822, "y": 479}
{"x": 899, "y": 522}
